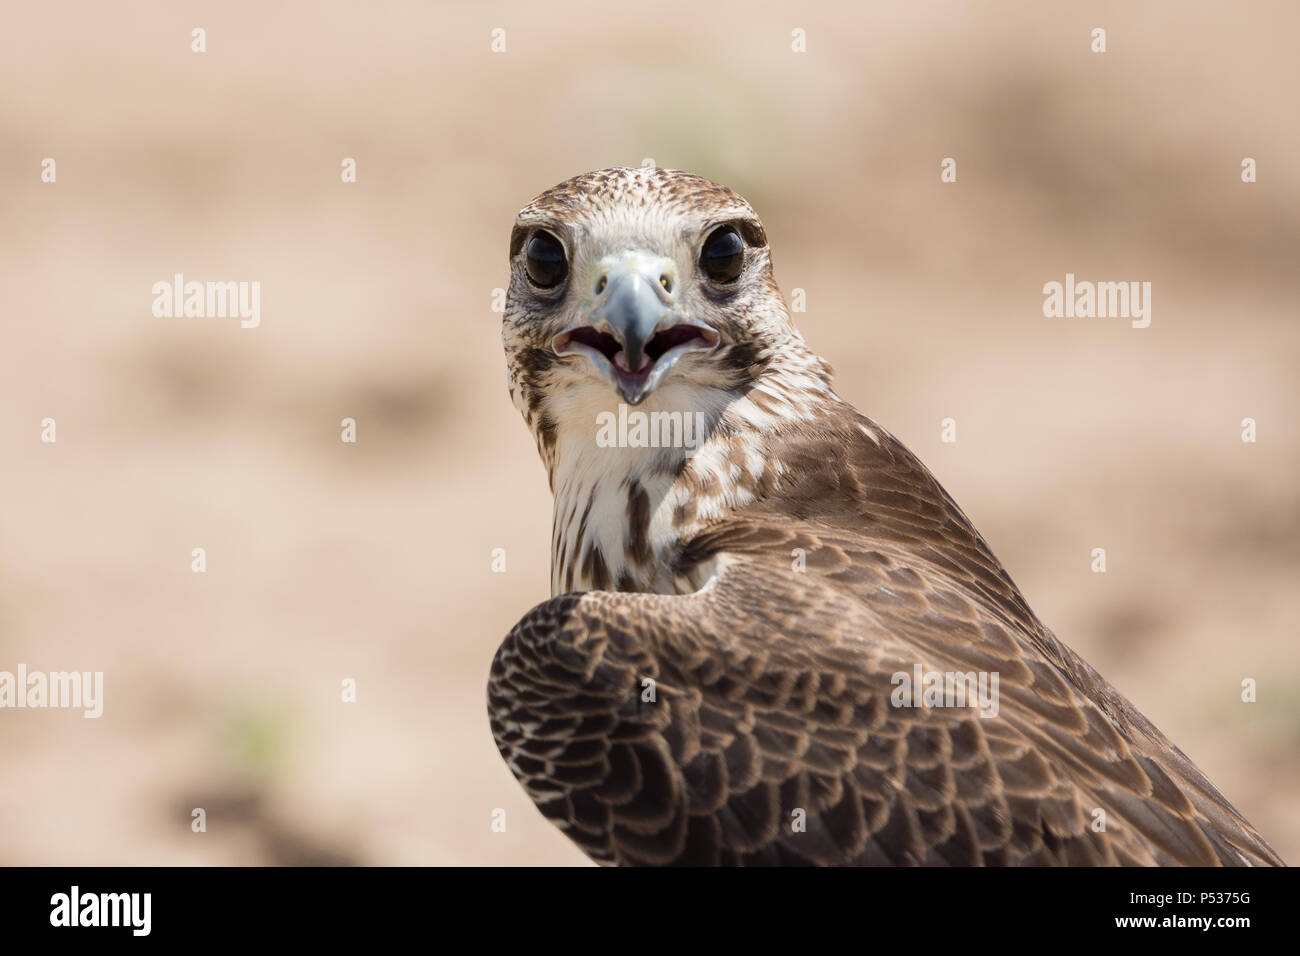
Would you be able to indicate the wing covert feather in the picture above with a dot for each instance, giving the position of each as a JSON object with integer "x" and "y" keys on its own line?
{"x": 770, "y": 737}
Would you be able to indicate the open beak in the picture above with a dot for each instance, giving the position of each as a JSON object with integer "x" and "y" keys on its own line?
{"x": 635, "y": 333}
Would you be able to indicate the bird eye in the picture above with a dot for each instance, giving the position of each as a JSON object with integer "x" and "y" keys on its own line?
{"x": 723, "y": 254}
{"x": 544, "y": 260}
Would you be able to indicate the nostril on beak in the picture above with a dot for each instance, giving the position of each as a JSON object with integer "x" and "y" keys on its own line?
{"x": 600, "y": 284}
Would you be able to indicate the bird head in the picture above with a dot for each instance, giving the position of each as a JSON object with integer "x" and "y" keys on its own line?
{"x": 640, "y": 285}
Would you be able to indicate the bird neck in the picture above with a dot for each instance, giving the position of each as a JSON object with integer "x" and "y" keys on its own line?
{"x": 654, "y": 475}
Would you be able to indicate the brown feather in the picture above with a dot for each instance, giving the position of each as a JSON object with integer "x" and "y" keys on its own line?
{"x": 727, "y": 706}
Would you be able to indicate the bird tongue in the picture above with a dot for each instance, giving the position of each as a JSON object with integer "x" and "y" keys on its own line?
{"x": 620, "y": 359}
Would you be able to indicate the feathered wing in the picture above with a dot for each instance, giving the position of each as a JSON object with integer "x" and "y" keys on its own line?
{"x": 751, "y": 723}
{"x": 770, "y": 735}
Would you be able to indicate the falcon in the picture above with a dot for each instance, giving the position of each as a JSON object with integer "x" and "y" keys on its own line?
{"x": 754, "y": 637}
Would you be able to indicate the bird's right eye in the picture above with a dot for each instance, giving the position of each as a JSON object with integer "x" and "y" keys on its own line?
{"x": 545, "y": 262}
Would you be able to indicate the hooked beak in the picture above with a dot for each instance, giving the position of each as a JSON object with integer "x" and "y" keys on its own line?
{"x": 635, "y": 333}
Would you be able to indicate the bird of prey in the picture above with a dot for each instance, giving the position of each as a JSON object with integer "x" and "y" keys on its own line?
{"x": 720, "y": 675}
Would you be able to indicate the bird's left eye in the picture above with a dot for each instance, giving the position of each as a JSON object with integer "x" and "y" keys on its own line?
{"x": 545, "y": 262}
{"x": 723, "y": 254}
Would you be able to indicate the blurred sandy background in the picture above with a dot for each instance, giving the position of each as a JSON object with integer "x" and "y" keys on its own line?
{"x": 372, "y": 561}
